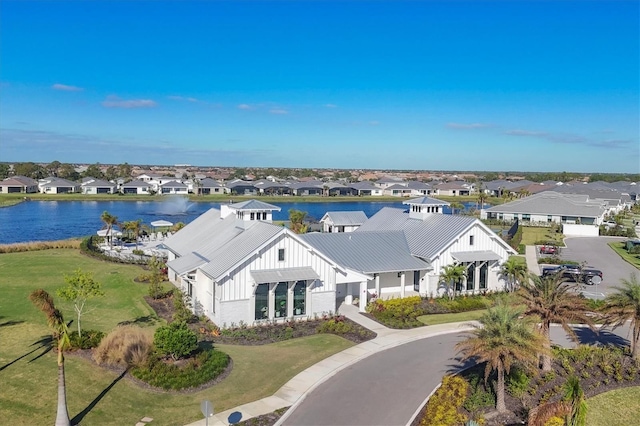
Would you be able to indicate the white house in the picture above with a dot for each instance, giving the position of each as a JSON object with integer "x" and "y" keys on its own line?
{"x": 54, "y": 185}
{"x": 137, "y": 187}
{"x": 173, "y": 187}
{"x": 97, "y": 186}
{"x": 342, "y": 221}
{"x": 238, "y": 266}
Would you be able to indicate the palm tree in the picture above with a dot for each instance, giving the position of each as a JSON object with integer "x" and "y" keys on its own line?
{"x": 574, "y": 394}
{"x": 452, "y": 276}
{"x": 110, "y": 221}
{"x": 456, "y": 205}
{"x": 135, "y": 227}
{"x": 514, "y": 272}
{"x": 43, "y": 301}
{"x": 550, "y": 300}
{"x": 482, "y": 198}
{"x": 623, "y": 306}
{"x": 502, "y": 339}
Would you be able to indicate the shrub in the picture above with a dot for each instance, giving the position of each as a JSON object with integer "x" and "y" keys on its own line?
{"x": 125, "y": 346}
{"x": 175, "y": 340}
{"x": 90, "y": 339}
{"x": 336, "y": 326}
{"x": 40, "y": 245}
{"x": 479, "y": 397}
{"x": 465, "y": 303}
{"x": 202, "y": 368}
{"x": 397, "y": 313}
{"x": 518, "y": 382}
{"x": 182, "y": 307}
{"x": 443, "y": 406}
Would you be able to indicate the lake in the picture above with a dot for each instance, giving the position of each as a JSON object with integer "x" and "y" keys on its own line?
{"x": 58, "y": 220}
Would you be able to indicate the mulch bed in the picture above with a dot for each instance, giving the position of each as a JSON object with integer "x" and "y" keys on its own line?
{"x": 592, "y": 380}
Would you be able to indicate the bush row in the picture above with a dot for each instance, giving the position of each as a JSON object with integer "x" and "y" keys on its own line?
{"x": 40, "y": 245}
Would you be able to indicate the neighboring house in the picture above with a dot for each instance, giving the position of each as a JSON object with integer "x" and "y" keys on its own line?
{"x": 173, "y": 188}
{"x": 271, "y": 187}
{"x": 386, "y": 182}
{"x": 18, "y": 184}
{"x": 239, "y": 267}
{"x": 209, "y": 186}
{"x": 137, "y": 187}
{"x": 550, "y": 206}
{"x": 419, "y": 188}
{"x": 455, "y": 188}
{"x": 54, "y": 185}
{"x": 366, "y": 188}
{"x": 311, "y": 187}
{"x": 397, "y": 190}
{"x": 241, "y": 187}
{"x": 342, "y": 221}
{"x": 339, "y": 189}
{"x": 97, "y": 186}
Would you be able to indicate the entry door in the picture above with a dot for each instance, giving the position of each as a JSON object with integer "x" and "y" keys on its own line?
{"x": 416, "y": 281}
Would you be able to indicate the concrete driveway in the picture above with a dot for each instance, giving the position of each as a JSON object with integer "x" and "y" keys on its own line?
{"x": 596, "y": 252}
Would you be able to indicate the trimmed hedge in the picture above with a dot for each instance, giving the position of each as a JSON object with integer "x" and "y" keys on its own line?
{"x": 397, "y": 313}
{"x": 90, "y": 339}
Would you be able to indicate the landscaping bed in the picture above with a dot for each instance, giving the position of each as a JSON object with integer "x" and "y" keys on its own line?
{"x": 599, "y": 370}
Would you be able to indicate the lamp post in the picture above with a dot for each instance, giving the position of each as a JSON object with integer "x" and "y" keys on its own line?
{"x": 207, "y": 410}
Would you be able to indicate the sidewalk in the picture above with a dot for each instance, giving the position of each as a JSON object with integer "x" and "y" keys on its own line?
{"x": 296, "y": 389}
{"x": 532, "y": 260}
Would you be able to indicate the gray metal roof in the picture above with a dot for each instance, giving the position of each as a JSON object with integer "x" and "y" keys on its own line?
{"x": 428, "y": 201}
{"x": 367, "y": 252}
{"x": 136, "y": 184}
{"x": 346, "y": 218}
{"x": 398, "y": 187}
{"x": 99, "y": 183}
{"x": 187, "y": 263}
{"x": 193, "y": 236}
{"x": 254, "y": 205}
{"x": 475, "y": 256}
{"x": 173, "y": 184}
{"x": 364, "y": 185}
{"x": 552, "y": 203}
{"x": 209, "y": 183}
{"x": 414, "y": 184}
{"x": 284, "y": 274}
{"x": 426, "y": 238}
{"x": 61, "y": 182}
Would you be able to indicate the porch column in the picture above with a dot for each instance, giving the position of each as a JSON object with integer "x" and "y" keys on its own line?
{"x": 378, "y": 285}
{"x": 272, "y": 301}
{"x": 363, "y": 296}
{"x": 402, "y": 275}
{"x": 290, "y": 299}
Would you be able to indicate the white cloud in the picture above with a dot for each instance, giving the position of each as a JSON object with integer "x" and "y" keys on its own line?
{"x": 116, "y": 102}
{"x": 66, "y": 88}
{"x": 246, "y": 107}
{"x": 183, "y": 98}
{"x": 279, "y": 111}
{"x": 330, "y": 106}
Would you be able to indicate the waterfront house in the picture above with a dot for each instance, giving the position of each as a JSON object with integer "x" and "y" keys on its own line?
{"x": 209, "y": 186}
{"x": 173, "y": 187}
{"x": 137, "y": 187}
{"x": 54, "y": 185}
{"x": 366, "y": 188}
{"x": 238, "y": 266}
{"x": 97, "y": 186}
{"x": 18, "y": 184}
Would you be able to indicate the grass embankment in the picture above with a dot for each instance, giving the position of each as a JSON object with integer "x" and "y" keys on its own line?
{"x": 29, "y": 375}
{"x": 633, "y": 259}
{"x": 619, "y": 407}
{"x": 434, "y": 319}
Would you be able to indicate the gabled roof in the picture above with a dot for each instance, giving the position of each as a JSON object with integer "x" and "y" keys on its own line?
{"x": 136, "y": 184}
{"x": 99, "y": 183}
{"x": 368, "y": 252}
{"x": 12, "y": 182}
{"x": 25, "y": 180}
{"x": 414, "y": 184}
{"x": 553, "y": 203}
{"x": 239, "y": 182}
{"x": 454, "y": 185}
{"x": 308, "y": 184}
{"x": 187, "y": 263}
{"x": 345, "y": 218}
{"x": 173, "y": 184}
{"x": 254, "y": 205}
{"x": 426, "y": 238}
{"x": 60, "y": 182}
{"x": 364, "y": 185}
{"x": 398, "y": 187}
{"x": 209, "y": 183}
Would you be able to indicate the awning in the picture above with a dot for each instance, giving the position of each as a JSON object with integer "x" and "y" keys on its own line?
{"x": 109, "y": 233}
{"x": 475, "y": 256}
{"x": 160, "y": 223}
{"x": 284, "y": 274}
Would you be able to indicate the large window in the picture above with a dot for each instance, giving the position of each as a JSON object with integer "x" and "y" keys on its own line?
{"x": 416, "y": 280}
{"x": 262, "y": 301}
{"x": 299, "y": 298}
{"x": 281, "y": 300}
{"x": 484, "y": 273}
{"x": 471, "y": 276}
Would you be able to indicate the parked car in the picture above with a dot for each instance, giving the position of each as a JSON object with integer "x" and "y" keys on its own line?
{"x": 587, "y": 275}
{"x": 549, "y": 249}
{"x": 566, "y": 270}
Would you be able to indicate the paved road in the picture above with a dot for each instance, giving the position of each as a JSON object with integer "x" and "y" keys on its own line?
{"x": 596, "y": 252}
{"x": 387, "y": 388}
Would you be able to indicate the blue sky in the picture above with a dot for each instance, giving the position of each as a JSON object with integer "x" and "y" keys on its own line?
{"x": 434, "y": 85}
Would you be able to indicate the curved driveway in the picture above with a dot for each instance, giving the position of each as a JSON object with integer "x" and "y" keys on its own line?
{"x": 387, "y": 388}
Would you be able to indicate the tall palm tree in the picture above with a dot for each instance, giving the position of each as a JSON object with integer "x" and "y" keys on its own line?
{"x": 502, "y": 339}
{"x": 43, "y": 301}
{"x": 452, "y": 276}
{"x": 133, "y": 227}
{"x": 514, "y": 272}
{"x": 623, "y": 306}
{"x": 550, "y": 300}
{"x": 110, "y": 221}
{"x": 456, "y": 206}
{"x": 481, "y": 198}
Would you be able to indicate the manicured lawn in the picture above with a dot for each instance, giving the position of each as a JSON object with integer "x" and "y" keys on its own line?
{"x": 28, "y": 372}
{"x": 619, "y": 407}
{"x": 530, "y": 235}
{"x": 434, "y": 319}
{"x": 633, "y": 259}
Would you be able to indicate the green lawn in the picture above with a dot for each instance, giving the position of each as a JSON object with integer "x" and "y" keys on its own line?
{"x": 619, "y": 407}
{"x": 28, "y": 375}
{"x": 434, "y": 319}
{"x": 531, "y": 234}
{"x": 633, "y": 259}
